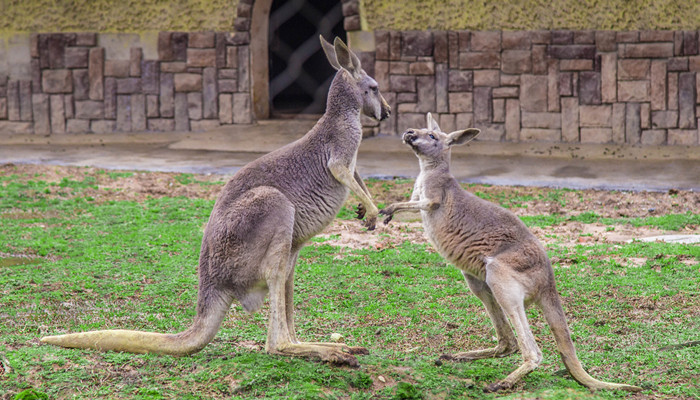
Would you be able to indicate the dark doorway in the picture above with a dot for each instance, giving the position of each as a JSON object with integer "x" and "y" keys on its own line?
{"x": 299, "y": 72}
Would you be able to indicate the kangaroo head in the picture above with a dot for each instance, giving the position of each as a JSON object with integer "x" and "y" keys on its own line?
{"x": 363, "y": 86}
{"x": 432, "y": 144}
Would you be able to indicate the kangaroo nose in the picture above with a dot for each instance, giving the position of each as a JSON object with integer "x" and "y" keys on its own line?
{"x": 409, "y": 136}
{"x": 386, "y": 112}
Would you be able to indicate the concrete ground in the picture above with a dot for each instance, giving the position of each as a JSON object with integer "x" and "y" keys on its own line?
{"x": 226, "y": 149}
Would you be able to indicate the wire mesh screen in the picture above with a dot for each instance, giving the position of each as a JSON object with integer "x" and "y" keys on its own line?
{"x": 299, "y": 72}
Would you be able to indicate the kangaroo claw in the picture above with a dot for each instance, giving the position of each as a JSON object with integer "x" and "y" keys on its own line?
{"x": 370, "y": 223}
{"x": 360, "y": 212}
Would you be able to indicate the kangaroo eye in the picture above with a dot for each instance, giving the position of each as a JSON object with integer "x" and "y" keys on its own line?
{"x": 432, "y": 136}
{"x": 374, "y": 89}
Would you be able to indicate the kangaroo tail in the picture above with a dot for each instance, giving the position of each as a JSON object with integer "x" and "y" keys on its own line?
{"x": 190, "y": 341}
{"x": 554, "y": 314}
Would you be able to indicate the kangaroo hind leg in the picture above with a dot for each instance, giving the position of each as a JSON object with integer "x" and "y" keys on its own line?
{"x": 510, "y": 295}
{"x": 507, "y": 344}
{"x": 279, "y": 337}
{"x": 277, "y": 269}
{"x": 289, "y": 303}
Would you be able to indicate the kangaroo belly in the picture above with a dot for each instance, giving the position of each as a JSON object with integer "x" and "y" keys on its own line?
{"x": 317, "y": 211}
{"x": 305, "y": 182}
{"x": 457, "y": 245}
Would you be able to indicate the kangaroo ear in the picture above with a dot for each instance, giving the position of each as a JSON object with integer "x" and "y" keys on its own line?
{"x": 432, "y": 124}
{"x": 346, "y": 58}
{"x": 462, "y": 137}
{"x": 330, "y": 52}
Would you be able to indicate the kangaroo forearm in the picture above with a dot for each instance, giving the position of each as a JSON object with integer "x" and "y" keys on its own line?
{"x": 360, "y": 182}
{"x": 344, "y": 176}
{"x": 424, "y": 205}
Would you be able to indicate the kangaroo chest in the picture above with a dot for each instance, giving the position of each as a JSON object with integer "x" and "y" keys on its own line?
{"x": 456, "y": 247}
{"x": 318, "y": 197}
{"x": 317, "y": 208}
{"x": 448, "y": 230}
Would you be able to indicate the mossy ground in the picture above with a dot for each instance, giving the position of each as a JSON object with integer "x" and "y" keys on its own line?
{"x": 219, "y": 15}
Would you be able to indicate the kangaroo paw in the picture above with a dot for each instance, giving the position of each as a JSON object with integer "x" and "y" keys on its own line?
{"x": 389, "y": 214}
{"x": 360, "y": 212}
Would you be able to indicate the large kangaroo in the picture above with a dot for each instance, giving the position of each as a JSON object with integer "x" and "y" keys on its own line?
{"x": 503, "y": 262}
{"x": 263, "y": 217}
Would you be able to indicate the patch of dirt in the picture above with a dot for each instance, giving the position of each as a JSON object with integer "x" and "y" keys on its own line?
{"x": 352, "y": 235}
{"x": 573, "y": 233}
{"x": 138, "y": 186}
{"x": 118, "y": 185}
{"x": 607, "y": 204}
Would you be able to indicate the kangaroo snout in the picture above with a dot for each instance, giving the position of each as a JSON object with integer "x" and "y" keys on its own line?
{"x": 409, "y": 137}
{"x": 385, "y": 114}
{"x": 386, "y": 111}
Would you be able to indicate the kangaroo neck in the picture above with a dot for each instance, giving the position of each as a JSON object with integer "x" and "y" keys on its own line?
{"x": 432, "y": 165}
{"x": 344, "y": 102}
{"x": 341, "y": 121}
{"x": 345, "y": 118}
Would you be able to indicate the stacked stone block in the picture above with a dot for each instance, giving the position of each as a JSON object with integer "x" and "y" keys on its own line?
{"x": 638, "y": 87}
{"x": 351, "y": 15}
{"x": 199, "y": 80}
{"x": 16, "y": 105}
{"x": 552, "y": 86}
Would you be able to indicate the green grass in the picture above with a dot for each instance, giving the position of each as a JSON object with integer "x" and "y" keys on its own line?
{"x": 668, "y": 222}
{"x": 188, "y": 179}
{"x": 510, "y": 200}
{"x": 128, "y": 264}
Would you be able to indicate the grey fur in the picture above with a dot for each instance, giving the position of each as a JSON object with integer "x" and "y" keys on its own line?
{"x": 263, "y": 217}
{"x": 502, "y": 261}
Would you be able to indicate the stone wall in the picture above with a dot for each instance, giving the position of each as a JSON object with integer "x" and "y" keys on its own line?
{"x": 195, "y": 81}
{"x": 637, "y": 87}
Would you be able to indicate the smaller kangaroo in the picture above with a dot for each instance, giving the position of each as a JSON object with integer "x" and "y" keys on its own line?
{"x": 503, "y": 262}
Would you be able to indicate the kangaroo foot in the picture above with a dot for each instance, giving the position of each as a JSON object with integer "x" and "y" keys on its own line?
{"x": 333, "y": 353}
{"x": 341, "y": 358}
{"x": 497, "y": 386}
{"x": 362, "y": 351}
{"x": 496, "y": 352}
{"x": 341, "y": 346}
